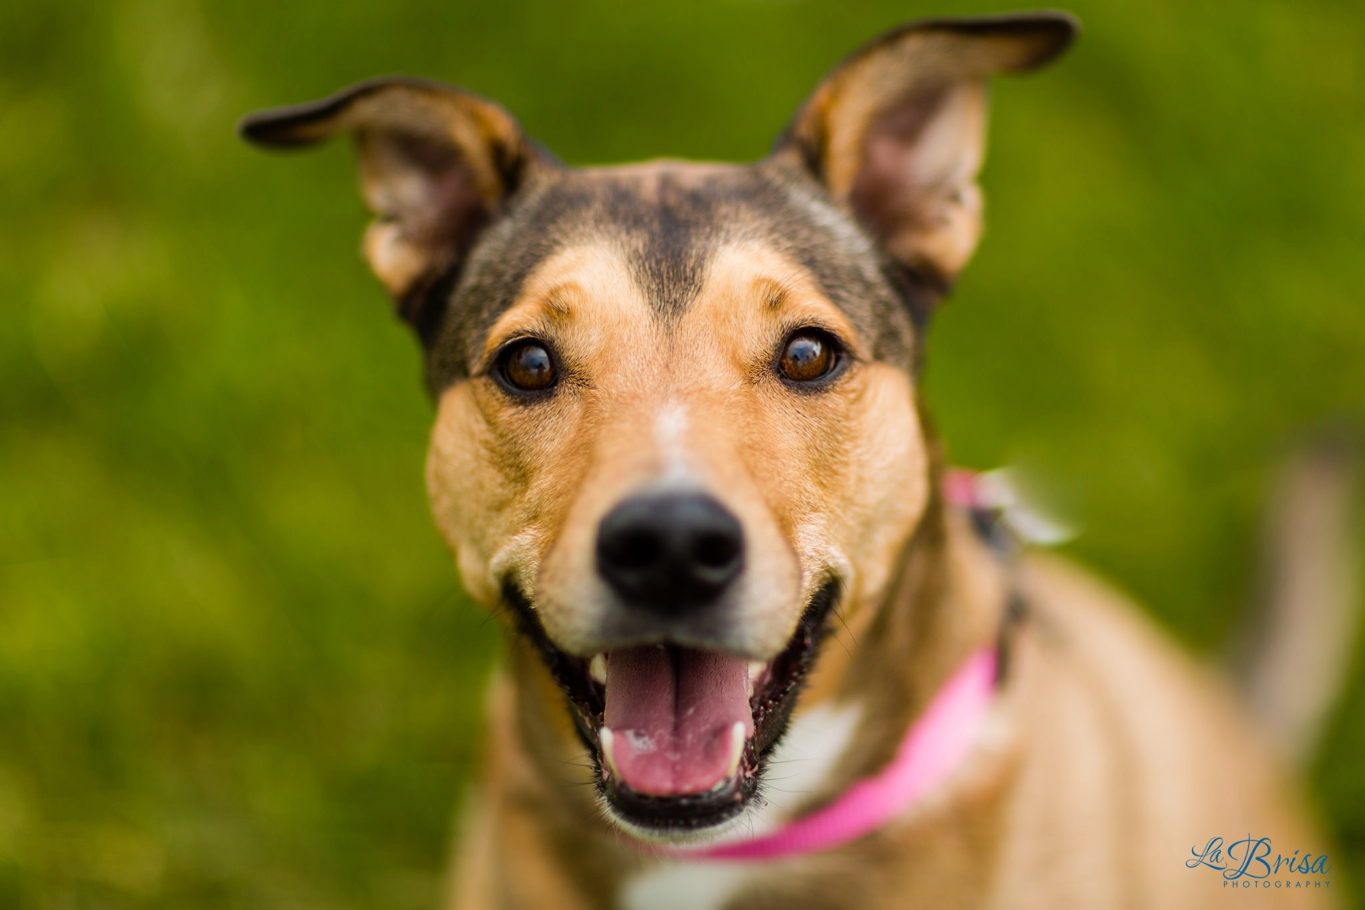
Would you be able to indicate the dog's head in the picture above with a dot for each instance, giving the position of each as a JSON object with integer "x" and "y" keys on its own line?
{"x": 677, "y": 411}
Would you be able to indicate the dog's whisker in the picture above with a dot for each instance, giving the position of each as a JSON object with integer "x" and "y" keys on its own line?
{"x": 839, "y": 615}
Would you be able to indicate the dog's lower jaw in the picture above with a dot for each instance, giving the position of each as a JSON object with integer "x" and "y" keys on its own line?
{"x": 650, "y": 837}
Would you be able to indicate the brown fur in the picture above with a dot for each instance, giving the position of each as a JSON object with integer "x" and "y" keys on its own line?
{"x": 666, "y": 291}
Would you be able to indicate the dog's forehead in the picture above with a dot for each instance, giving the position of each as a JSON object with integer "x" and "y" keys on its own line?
{"x": 669, "y": 220}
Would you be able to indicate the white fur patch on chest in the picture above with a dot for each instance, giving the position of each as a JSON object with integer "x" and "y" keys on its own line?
{"x": 799, "y": 766}
{"x": 685, "y": 886}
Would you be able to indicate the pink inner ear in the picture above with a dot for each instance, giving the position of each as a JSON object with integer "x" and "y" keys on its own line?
{"x": 430, "y": 210}
{"x": 427, "y": 189}
{"x": 890, "y": 183}
{"x": 916, "y": 184}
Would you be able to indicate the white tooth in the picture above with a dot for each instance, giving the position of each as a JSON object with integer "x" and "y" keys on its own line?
{"x": 756, "y": 668}
{"x": 607, "y": 739}
{"x": 736, "y": 747}
{"x": 597, "y": 669}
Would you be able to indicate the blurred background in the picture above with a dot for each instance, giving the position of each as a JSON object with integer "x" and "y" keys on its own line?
{"x": 236, "y": 667}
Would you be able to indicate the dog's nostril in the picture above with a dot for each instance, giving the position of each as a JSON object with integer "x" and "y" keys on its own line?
{"x": 638, "y": 551}
{"x": 715, "y": 551}
{"x": 670, "y": 552}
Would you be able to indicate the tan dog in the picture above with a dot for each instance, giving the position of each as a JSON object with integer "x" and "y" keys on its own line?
{"x": 680, "y": 447}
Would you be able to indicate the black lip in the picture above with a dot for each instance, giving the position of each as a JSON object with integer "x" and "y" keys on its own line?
{"x": 681, "y": 813}
{"x": 772, "y": 706}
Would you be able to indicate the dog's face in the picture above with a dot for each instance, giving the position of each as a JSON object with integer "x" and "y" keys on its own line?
{"x": 677, "y": 418}
{"x": 677, "y": 435}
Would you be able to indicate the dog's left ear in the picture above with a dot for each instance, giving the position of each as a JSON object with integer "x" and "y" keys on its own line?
{"x": 897, "y": 131}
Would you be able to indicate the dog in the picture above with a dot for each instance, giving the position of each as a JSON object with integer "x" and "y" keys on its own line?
{"x": 759, "y": 652}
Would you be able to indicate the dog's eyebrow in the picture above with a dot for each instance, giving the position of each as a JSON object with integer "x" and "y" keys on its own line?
{"x": 773, "y": 292}
{"x": 556, "y": 299}
{"x": 777, "y": 292}
{"x": 544, "y": 308}
{"x": 533, "y": 315}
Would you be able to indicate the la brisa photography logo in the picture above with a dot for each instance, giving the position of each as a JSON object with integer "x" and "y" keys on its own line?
{"x": 1253, "y": 862}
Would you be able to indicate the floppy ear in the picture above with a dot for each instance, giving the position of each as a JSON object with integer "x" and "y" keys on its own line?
{"x": 897, "y": 131}
{"x": 436, "y": 163}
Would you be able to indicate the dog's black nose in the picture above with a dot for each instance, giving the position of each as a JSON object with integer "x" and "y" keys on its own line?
{"x": 671, "y": 552}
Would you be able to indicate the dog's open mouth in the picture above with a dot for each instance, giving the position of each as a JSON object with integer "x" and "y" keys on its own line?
{"x": 680, "y": 734}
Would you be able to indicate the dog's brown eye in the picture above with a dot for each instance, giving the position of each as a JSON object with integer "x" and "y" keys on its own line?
{"x": 529, "y": 367}
{"x": 808, "y": 356}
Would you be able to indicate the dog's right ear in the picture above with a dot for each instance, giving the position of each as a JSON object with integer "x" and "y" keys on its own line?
{"x": 436, "y": 163}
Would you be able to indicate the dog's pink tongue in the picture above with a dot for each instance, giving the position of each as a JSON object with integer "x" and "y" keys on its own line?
{"x": 672, "y": 713}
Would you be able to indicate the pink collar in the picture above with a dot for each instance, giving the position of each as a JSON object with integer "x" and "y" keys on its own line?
{"x": 934, "y": 745}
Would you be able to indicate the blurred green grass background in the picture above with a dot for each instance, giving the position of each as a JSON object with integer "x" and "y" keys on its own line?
{"x": 236, "y": 669}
